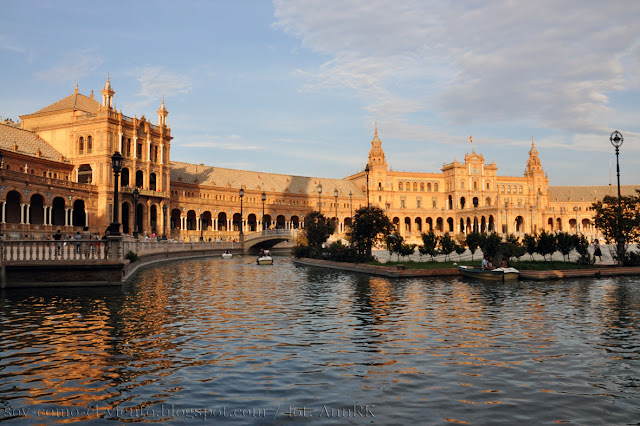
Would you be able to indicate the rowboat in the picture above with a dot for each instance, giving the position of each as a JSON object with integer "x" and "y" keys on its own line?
{"x": 265, "y": 260}
{"x": 498, "y": 274}
{"x": 227, "y": 255}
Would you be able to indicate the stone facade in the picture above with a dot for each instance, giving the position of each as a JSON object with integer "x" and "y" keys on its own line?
{"x": 57, "y": 174}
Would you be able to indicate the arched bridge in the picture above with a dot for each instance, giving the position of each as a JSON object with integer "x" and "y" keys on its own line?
{"x": 267, "y": 238}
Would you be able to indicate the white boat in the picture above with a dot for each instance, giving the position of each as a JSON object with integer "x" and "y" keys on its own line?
{"x": 227, "y": 255}
{"x": 265, "y": 260}
{"x": 498, "y": 274}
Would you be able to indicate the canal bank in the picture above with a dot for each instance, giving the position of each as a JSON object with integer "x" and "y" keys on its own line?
{"x": 398, "y": 272}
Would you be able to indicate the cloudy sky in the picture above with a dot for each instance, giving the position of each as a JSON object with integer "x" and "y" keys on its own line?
{"x": 297, "y": 86}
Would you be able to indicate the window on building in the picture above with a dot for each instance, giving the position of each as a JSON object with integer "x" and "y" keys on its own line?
{"x": 81, "y": 145}
{"x": 402, "y": 204}
{"x": 418, "y": 202}
{"x": 89, "y": 144}
{"x": 400, "y": 186}
{"x": 435, "y": 187}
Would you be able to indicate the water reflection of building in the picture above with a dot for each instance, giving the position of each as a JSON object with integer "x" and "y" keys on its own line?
{"x": 57, "y": 175}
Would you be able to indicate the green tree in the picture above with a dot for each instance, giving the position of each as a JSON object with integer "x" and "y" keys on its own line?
{"x": 317, "y": 229}
{"x": 547, "y": 245}
{"x": 406, "y": 250}
{"x": 447, "y": 245}
{"x": 460, "y": 249}
{"x": 616, "y": 223}
{"x": 370, "y": 224}
{"x": 566, "y": 243}
{"x": 490, "y": 244}
{"x": 429, "y": 244}
{"x": 582, "y": 247}
{"x": 473, "y": 242}
{"x": 394, "y": 244}
{"x": 530, "y": 244}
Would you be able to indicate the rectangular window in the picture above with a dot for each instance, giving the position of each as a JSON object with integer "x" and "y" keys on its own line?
{"x": 418, "y": 202}
{"x": 402, "y": 204}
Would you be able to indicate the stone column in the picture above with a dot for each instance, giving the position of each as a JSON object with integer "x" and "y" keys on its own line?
{"x": 120, "y": 142}
{"x": 4, "y": 205}
{"x": 22, "y": 214}
{"x": 135, "y": 147}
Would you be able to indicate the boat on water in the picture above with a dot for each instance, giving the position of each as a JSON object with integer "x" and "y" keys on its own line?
{"x": 497, "y": 274}
{"x": 265, "y": 258}
{"x": 227, "y": 254}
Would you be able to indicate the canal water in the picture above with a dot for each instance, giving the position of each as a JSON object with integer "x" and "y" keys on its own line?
{"x": 234, "y": 342}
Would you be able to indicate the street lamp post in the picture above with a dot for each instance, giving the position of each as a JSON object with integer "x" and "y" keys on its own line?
{"x": 201, "y": 227}
{"x": 506, "y": 209}
{"x": 241, "y": 196}
{"x": 575, "y": 209}
{"x": 116, "y": 164}
{"x": 531, "y": 218}
{"x": 335, "y": 194}
{"x": 366, "y": 171}
{"x": 616, "y": 140}
{"x": 264, "y": 198}
{"x": 164, "y": 221}
{"x": 136, "y": 194}
{"x": 319, "y": 189}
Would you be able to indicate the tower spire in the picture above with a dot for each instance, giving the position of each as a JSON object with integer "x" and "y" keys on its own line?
{"x": 107, "y": 94}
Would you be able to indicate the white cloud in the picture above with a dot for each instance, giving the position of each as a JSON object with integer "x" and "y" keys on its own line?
{"x": 227, "y": 143}
{"x": 155, "y": 81}
{"x": 6, "y": 44}
{"x": 81, "y": 64}
{"x": 551, "y": 63}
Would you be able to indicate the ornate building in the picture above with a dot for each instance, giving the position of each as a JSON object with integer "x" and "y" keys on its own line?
{"x": 56, "y": 174}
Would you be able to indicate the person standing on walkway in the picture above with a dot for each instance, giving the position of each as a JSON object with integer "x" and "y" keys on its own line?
{"x": 597, "y": 251}
{"x": 57, "y": 237}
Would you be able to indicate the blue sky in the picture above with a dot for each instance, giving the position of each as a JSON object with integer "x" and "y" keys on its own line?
{"x": 296, "y": 87}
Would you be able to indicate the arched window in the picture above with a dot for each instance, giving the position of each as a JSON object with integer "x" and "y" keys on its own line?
{"x": 429, "y": 187}
{"x": 81, "y": 145}
{"x": 435, "y": 187}
{"x": 400, "y": 186}
{"x": 408, "y": 186}
{"x": 508, "y": 189}
{"x": 475, "y": 185}
{"x": 422, "y": 186}
{"x": 520, "y": 189}
{"x": 415, "y": 186}
{"x": 89, "y": 144}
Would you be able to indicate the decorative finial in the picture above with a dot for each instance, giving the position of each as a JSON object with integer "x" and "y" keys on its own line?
{"x": 376, "y": 129}
{"x": 76, "y": 87}
{"x": 533, "y": 145}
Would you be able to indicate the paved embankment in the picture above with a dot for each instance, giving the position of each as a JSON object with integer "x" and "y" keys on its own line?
{"x": 395, "y": 272}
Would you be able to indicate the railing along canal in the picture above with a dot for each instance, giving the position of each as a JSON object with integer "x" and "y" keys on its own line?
{"x": 48, "y": 250}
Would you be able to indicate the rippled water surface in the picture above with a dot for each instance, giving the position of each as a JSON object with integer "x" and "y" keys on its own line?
{"x": 231, "y": 341}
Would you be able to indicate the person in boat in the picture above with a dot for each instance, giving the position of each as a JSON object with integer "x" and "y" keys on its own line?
{"x": 504, "y": 263}
{"x": 261, "y": 254}
{"x": 486, "y": 263}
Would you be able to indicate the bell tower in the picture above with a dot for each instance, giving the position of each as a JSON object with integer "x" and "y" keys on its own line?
{"x": 376, "y": 154}
{"x": 107, "y": 94}
{"x": 162, "y": 114}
